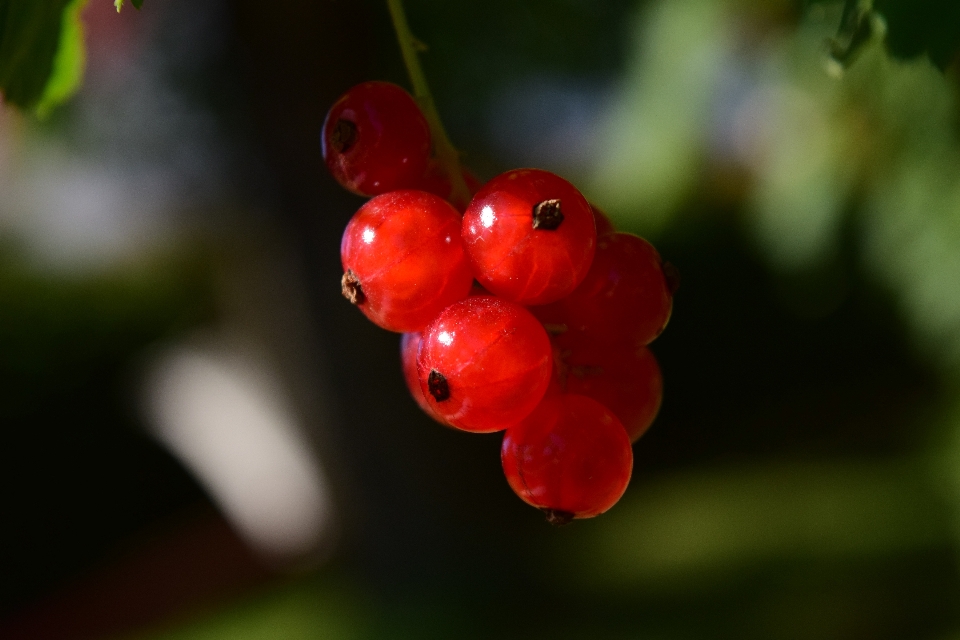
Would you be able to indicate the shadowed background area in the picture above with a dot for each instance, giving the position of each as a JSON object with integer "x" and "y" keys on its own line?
{"x": 202, "y": 439}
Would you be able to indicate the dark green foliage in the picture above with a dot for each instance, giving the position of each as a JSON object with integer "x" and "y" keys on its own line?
{"x": 29, "y": 37}
{"x": 41, "y": 51}
{"x": 915, "y": 27}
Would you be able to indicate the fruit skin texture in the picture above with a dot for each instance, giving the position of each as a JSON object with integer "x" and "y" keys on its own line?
{"x": 516, "y": 261}
{"x": 624, "y": 300}
{"x": 437, "y": 183}
{"x": 626, "y": 381}
{"x": 404, "y": 250}
{"x": 490, "y": 358}
{"x": 571, "y": 457}
{"x": 375, "y": 139}
{"x": 409, "y": 344}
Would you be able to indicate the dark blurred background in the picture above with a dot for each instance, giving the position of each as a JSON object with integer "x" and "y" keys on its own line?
{"x": 202, "y": 439}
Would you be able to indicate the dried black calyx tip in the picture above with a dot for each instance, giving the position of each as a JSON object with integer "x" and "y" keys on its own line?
{"x": 558, "y": 518}
{"x": 344, "y": 135}
{"x": 547, "y": 215}
{"x": 350, "y": 286}
{"x": 672, "y": 276}
{"x": 439, "y": 388}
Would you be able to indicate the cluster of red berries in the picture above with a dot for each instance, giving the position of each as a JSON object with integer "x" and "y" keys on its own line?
{"x": 528, "y": 312}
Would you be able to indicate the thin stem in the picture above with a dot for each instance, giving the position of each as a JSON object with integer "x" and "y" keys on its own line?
{"x": 447, "y": 156}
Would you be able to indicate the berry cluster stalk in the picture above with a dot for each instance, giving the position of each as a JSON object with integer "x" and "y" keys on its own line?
{"x": 447, "y": 155}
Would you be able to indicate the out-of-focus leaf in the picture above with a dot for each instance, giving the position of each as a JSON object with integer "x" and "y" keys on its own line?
{"x": 912, "y": 28}
{"x": 306, "y": 611}
{"x": 652, "y": 135}
{"x": 857, "y": 27}
{"x": 119, "y": 4}
{"x": 687, "y": 530}
{"x": 30, "y": 33}
{"x": 69, "y": 62}
{"x": 915, "y": 27}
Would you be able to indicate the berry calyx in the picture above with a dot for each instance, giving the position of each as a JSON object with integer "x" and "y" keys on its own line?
{"x": 351, "y": 289}
{"x": 438, "y": 386}
{"x": 409, "y": 345}
{"x": 547, "y": 215}
{"x": 530, "y": 236}
{"x": 571, "y": 458}
{"x": 375, "y": 139}
{"x": 403, "y": 259}
{"x": 625, "y": 299}
{"x": 484, "y": 364}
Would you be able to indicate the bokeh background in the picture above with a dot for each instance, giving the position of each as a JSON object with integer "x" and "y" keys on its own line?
{"x": 203, "y": 440}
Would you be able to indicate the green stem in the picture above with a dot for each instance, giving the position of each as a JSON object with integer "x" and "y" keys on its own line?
{"x": 447, "y": 156}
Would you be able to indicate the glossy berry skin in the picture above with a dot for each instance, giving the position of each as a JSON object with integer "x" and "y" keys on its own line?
{"x": 436, "y": 182}
{"x": 624, "y": 300}
{"x": 571, "y": 458}
{"x": 626, "y": 381}
{"x": 530, "y": 236}
{"x": 375, "y": 139}
{"x": 409, "y": 345}
{"x": 403, "y": 259}
{"x": 484, "y": 364}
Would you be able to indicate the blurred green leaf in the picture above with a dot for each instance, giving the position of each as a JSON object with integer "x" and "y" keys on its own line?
{"x": 306, "y": 611}
{"x": 30, "y": 44}
{"x": 69, "y": 62}
{"x": 690, "y": 528}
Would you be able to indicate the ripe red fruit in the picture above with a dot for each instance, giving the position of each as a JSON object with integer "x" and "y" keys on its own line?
{"x": 604, "y": 226}
{"x": 436, "y": 182}
{"x": 409, "y": 344}
{"x": 375, "y": 139}
{"x": 626, "y": 381}
{"x": 530, "y": 236}
{"x": 571, "y": 458}
{"x": 625, "y": 299}
{"x": 404, "y": 260}
{"x": 484, "y": 364}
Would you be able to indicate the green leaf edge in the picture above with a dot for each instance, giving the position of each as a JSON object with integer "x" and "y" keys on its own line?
{"x": 136, "y": 4}
{"x": 69, "y": 61}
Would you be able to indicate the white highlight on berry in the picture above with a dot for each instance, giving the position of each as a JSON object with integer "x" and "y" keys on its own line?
{"x": 445, "y": 338}
{"x": 368, "y": 235}
{"x": 487, "y": 217}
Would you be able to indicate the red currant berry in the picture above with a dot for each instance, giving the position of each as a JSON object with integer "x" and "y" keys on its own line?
{"x": 375, "y": 139}
{"x": 404, "y": 260}
{"x": 409, "y": 345}
{"x": 626, "y": 381}
{"x": 530, "y": 236}
{"x": 604, "y": 226}
{"x": 571, "y": 458}
{"x": 435, "y": 181}
{"x": 624, "y": 300}
{"x": 484, "y": 364}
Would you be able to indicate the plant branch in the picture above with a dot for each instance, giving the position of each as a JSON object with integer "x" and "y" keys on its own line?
{"x": 447, "y": 155}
